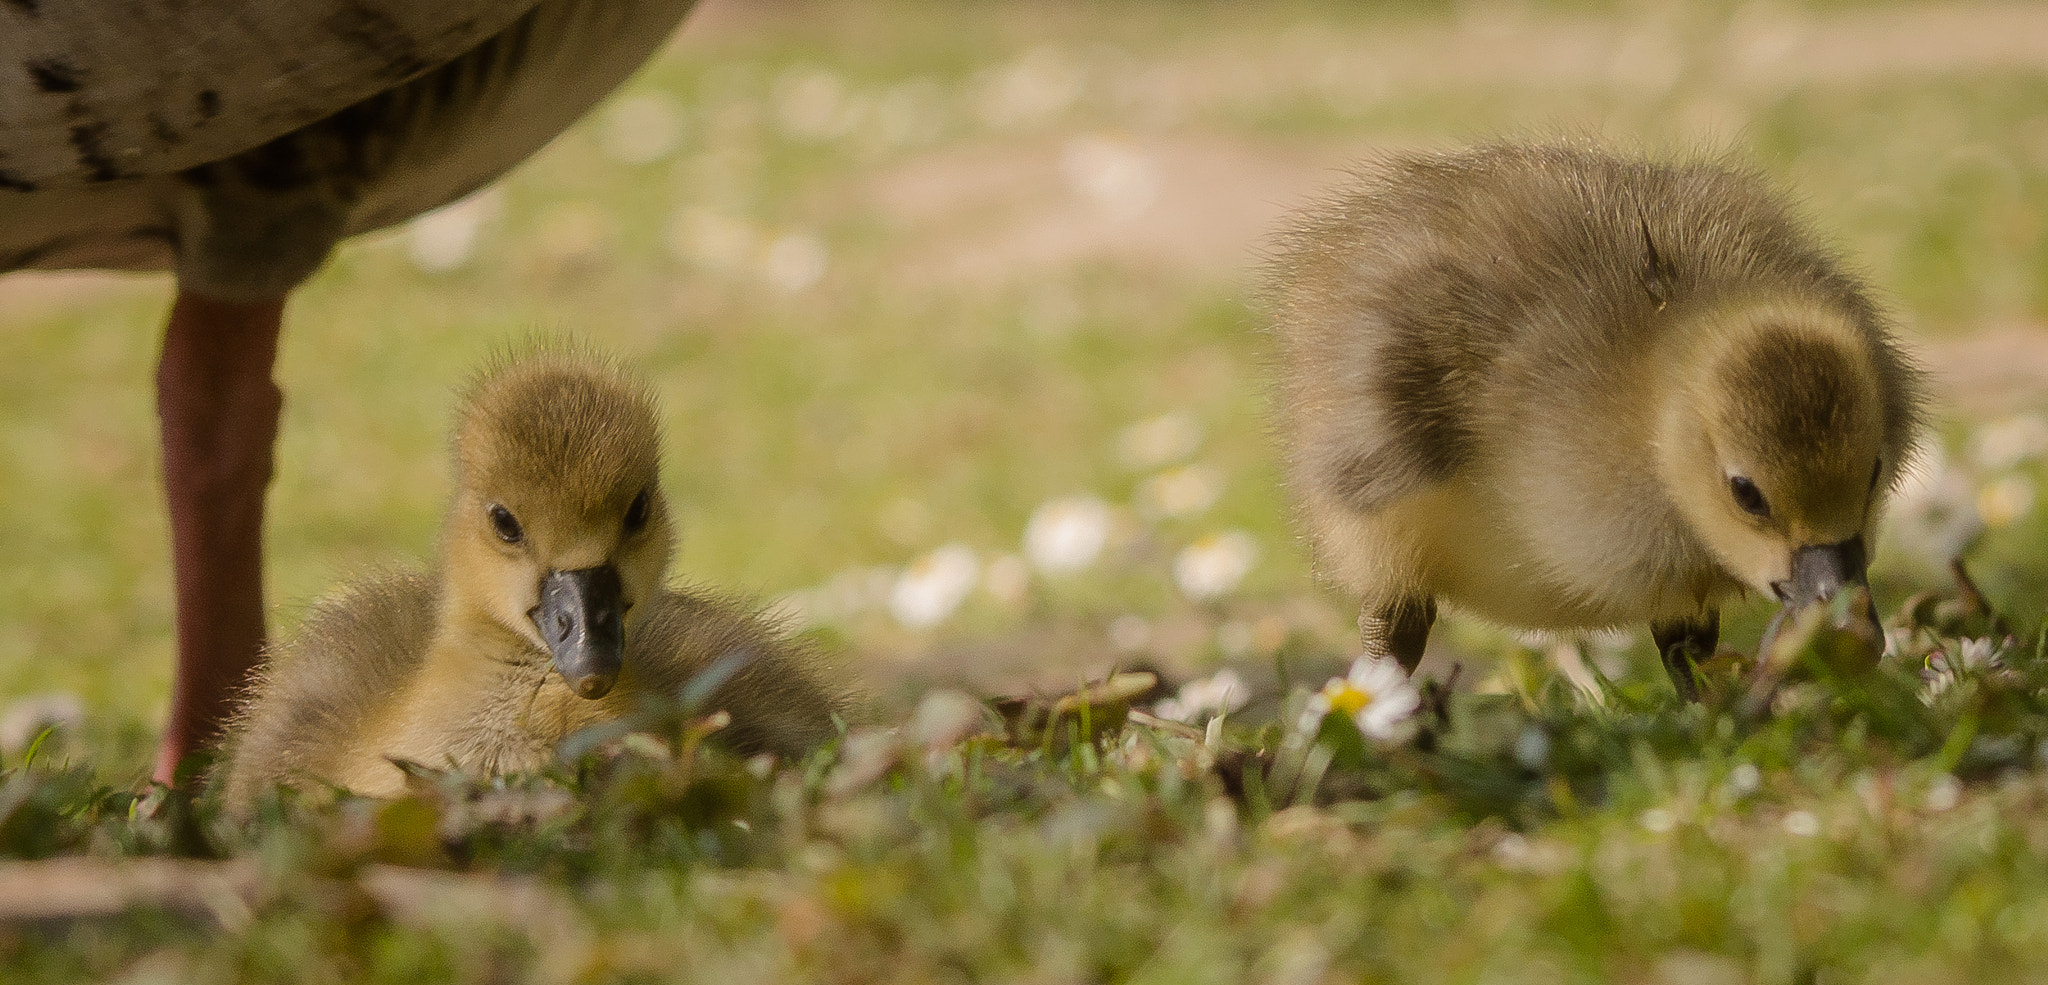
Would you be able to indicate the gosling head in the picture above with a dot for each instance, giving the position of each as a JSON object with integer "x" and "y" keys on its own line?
{"x": 1783, "y": 429}
{"x": 559, "y": 529}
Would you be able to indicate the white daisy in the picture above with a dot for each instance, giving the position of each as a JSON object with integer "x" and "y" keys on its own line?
{"x": 641, "y": 129}
{"x": 1376, "y": 695}
{"x": 1970, "y": 656}
{"x": 852, "y": 592}
{"x": 934, "y": 585}
{"x": 1114, "y": 175}
{"x": 1159, "y": 441}
{"x": 812, "y": 105}
{"x": 1216, "y": 695}
{"x": 1130, "y": 633}
{"x": 444, "y": 239}
{"x": 2010, "y": 443}
{"x": 2006, "y": 500}
{"x": 794, "y": 261}
{"x": 25, "y": 719}
{"x": 1210, "y": 568}
{"x": 1034, "y": 89}
{"x": 1933, "y": 515}
{"x": 712, "y": 240}
{"x": 1067, "y": 534}
{"x": 1183, "y": 492}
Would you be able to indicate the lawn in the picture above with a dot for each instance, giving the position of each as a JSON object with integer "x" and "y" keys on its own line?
{"x": 952, "y": 313}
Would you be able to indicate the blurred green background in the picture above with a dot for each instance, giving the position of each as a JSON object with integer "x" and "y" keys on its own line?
{"x": 906, "y": 273}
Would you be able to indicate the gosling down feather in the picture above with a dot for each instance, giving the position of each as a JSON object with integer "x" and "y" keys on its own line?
{"x": 234, "y": 143}
{"x": 1562, "y": 389}
{"x": 548, "y": 613}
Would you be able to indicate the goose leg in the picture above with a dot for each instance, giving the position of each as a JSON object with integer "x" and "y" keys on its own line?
{"x": 218, "y": 411}
{"x": 1682, "y": 643}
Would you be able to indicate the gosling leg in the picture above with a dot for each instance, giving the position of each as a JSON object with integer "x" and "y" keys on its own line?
{"x": 1682, "y": 643}
{"x": 1398, "y": 629}
{"x": 218, "y": 411}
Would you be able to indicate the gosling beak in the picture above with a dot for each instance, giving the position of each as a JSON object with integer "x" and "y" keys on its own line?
{"x": 581, "y": 616}
{"x": 1820, "y": 571}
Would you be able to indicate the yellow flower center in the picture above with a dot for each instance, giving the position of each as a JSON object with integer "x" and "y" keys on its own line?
{"x": 1346, "y": 697}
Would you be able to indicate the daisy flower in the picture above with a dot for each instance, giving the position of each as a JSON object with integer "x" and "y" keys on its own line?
{"x": 1067, "y": 534}
{"x": 1934, "y": 514}
{"x": 2010, "y": 443}
{"x": 1187, "y": 491}
{"x": 934, "y": 585}
{"x": 641, "y": 129}
{"x": 1970, "y": 656}
{"x": 444, "y": 239}
{"x": 1220, "y": 694}
{"x": 1377, "y": 696}
{"x": 1159, "y": 441}
{"x": 2006, "y": 500}
{"x": 25, "y": 719}
{"x": 1211, "y": 568}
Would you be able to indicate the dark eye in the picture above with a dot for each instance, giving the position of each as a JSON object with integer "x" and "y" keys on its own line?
{"x": 506, "y": 525}
{"x": 636, "y": 514}
{"x": 1875, "y": 468}
{"x": 1748, "y": 496}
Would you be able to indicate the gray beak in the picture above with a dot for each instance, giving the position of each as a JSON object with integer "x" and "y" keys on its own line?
{"x": 1820, "y": 571}
{"x": 581, "y": 615}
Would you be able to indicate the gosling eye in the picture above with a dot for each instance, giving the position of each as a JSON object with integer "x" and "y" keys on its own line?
{"x": 1875, "y": 468}
{"x": 636, "y": 514}
{"x": 506, "y": 525}
{"x": 1748, "y": 496}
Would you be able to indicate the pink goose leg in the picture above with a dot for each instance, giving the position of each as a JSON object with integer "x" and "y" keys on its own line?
{"x": 218, "y": 410}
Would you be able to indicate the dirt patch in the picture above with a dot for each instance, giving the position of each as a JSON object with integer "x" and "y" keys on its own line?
{"x": 1861, "y": 46}
{"x": 1652, "y": 48}
{"x": 1202, "y": 207}
{"x": 1990, "y": 373}
{"x": 1006, "y": 209}
{"x": 31, "y": 295}
{"x": 1757, "y": 46}
{"x": 1188, "y": 205}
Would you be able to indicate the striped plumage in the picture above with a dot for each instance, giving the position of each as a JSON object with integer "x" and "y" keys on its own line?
{"x": 243, "y": 191}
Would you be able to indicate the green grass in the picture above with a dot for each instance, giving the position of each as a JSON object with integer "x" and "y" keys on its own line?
{"x": 982, "y": 334}
{"x": 1859, "y": 833}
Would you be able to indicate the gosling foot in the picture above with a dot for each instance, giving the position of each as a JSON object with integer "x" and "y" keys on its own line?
{"x": 1682, "y": 644}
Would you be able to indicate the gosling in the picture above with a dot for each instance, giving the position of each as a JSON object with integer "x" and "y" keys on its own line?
{"x": 1563, "y": 390}
{"x": 548, "y": 614}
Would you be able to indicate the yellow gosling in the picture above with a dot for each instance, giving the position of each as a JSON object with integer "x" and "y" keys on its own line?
{"x": 1562, "y": 389}
{"x": 548, "y": 613}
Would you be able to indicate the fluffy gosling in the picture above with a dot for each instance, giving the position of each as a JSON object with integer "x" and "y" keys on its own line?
{"x": 1563, "y": 389}
{"x": 548, "y": 613}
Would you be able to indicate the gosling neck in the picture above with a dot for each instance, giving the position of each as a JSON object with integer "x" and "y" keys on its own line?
{"x": 466, "y": 703}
